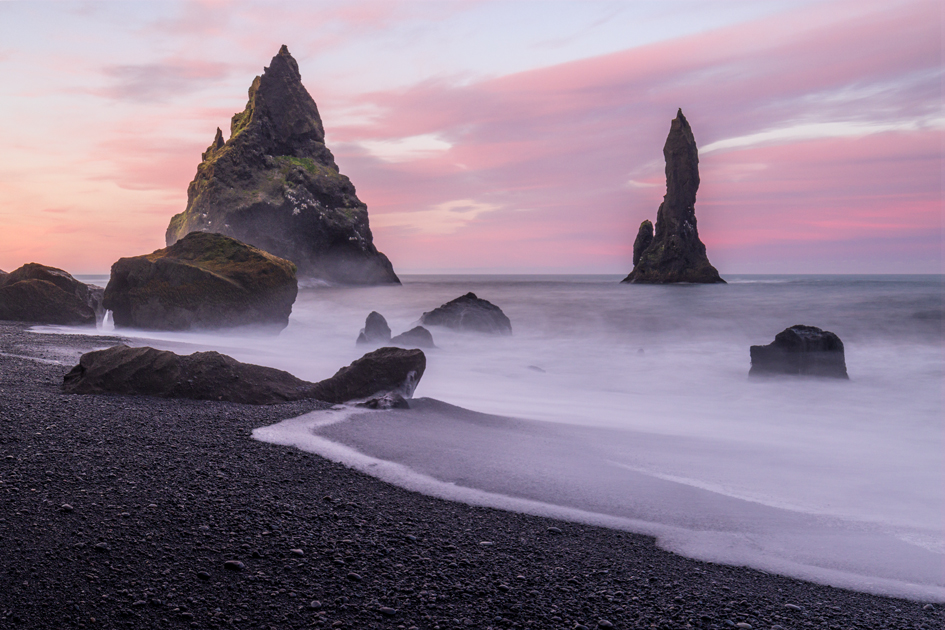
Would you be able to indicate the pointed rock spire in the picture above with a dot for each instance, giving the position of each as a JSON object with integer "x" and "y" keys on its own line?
{"x": 275, "y": 185}
{"x": 674, "y": 253}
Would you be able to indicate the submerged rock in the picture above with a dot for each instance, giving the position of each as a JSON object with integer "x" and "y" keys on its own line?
{"x": 202, "y": 281}
{"x": 802, "y": 350}
{"x": 275, "y": 185}
{"x": 375, "y": 331}
{"x": 674, "y": 253}
{"x": 469, "y": 313}
{"x": 37, "y": 293}
{"x": 390, "y": 400}
{"x": 416, "y": 337}
{"x": 201, "y": 375}
{"x": 384, "y": 370}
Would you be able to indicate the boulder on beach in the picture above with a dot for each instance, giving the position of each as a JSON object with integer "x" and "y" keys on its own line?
{"x": 801, "y": 350}
{"x": 202, "y": 281}
{"x": 469, "y": 313}
{"x": 375, "y": 332}
{"x": 47, "y": 295}
{"x": 416, "y": 337}
{"x": 384, "y": 370}
{"x": 201, "y": 375}
{"x": 275, "y": 185}
{"x": 674, "y": 253}
{"x": 388, "y": 374}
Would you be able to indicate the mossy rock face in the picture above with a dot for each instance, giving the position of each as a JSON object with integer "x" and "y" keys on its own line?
{"x": 275, "y": 185}
{"x": 42, "y": 294}
{"x": 674, "y": 253}
{"x": 203, "y": 281}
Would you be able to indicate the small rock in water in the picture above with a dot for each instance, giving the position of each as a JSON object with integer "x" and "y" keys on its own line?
{"x": 314, "y": 604}
{"x": 101, "y": 547}
{"x": 234, "y": 565}
{"x": 296, "y": 552}
{"x": 793, "y": 607}
{"x": 743, "y": 625}
{"x": 389, "y": 612}
{"x": 354, "y": 577}
{"x": 203, "y": 575}
{"x": 553, "y": 530}
{"x": 603, "y": 623}
{"x": 65, "y": 507}
{"x": 928, "y": 607}
{"x": 390, "y": 400}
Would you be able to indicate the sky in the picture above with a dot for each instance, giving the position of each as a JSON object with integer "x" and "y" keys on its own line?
{"x": 494, "y": 137}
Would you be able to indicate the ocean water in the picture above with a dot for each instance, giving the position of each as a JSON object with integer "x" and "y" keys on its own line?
{"x": 629, "y": 406}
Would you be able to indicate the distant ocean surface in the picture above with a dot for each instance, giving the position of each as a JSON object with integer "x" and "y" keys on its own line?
{"x": 630, "y": 406}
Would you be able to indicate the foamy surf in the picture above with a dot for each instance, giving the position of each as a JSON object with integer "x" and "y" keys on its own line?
{"x": 466, "y": 464}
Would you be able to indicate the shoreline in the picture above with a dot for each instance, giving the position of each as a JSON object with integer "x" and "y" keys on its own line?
{"x": 164, "y": 492}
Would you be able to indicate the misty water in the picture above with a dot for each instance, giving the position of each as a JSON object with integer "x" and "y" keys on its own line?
{"x": 629, "y": 406}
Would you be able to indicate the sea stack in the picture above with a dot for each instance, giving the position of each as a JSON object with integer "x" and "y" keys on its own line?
{"x": 275, "y": 185}
{"x": 674, "y": 253}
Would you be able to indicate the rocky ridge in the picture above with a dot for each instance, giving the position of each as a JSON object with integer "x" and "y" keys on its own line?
{"x": 275, "y": 185}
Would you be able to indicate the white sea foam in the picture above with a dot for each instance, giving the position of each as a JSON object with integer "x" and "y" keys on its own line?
{"x": 642, "y": 416}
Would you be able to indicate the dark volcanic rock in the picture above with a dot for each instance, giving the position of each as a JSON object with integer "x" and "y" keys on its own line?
{"x": 470, "y": 313}
{"x": 202, "y": 281}
{"x": 390, "y": 400}
{"x": 416, "y": 337}
{"x": 274, "y": 184}
{"x": 37, "y": 293}
{"x": 804, "y": 350}
{"x": 201, "y": 375}
{"x": 674, "y": 253}
{"x": 375, "y": 331}
{"x": 384, "y": 370}
{"x": 642, "y": 241}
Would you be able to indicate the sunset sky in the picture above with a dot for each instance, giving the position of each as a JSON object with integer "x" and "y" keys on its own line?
{"x": 507, "y": 136}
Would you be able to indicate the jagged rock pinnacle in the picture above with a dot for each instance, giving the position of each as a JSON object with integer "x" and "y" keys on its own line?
{"x": 674, "y": 253}
{"x": 275, "y": 185}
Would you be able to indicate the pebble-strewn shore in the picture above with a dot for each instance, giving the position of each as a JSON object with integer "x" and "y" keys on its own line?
{"x": 123, "y": 512}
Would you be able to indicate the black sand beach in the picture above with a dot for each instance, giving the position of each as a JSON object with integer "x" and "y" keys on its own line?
{"x": 121, "y": 512}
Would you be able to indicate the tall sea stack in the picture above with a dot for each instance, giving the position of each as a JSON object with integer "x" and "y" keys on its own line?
{"x": 674, "y": 253}
{"x": 275, "y": 185}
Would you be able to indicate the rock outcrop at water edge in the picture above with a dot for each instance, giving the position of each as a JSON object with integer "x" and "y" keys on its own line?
{"x": 800, "y": 350}
{"x": 47, "y": 295}
{"x": 201, "y": 375}
{"x": 275, "y": 185}
{"x": 384, "y": 370}
{"x": 202, "y": 281}
{"x": 469, "y": 313}
{"x": 674, "y": 253}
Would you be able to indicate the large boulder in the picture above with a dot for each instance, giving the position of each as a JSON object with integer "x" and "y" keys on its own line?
{"x": 801, "y": 350}
{"x": 416, "y": 337}
{"x": 201, "y": 375}
{"x": 469, "y": 313}
{"x": 375, "y": 332}
{"x": 42, "y": 294}
{"x": 274, "y": 184}
{"x": 202, "y": 281}
{"x": 674, "y": 253}
{"x": 384, "y": 370}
